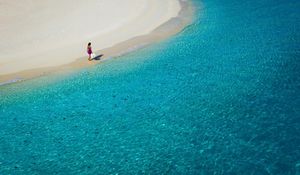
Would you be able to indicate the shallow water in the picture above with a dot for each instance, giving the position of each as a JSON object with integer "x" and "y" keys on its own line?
{"x": 222, "y": 97}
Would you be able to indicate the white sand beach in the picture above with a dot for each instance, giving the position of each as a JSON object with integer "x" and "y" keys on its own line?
{"x": 38, "y": 34}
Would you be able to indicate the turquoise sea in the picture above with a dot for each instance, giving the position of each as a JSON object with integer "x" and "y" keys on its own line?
{"x": 221, "y": 97}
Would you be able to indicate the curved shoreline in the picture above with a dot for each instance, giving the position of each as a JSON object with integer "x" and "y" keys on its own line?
{"x": 167, "y": 29}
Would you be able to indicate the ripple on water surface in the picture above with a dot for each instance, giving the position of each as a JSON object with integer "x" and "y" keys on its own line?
{"x": 222, "y": 97}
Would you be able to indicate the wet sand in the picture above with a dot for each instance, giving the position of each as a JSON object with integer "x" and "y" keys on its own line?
{"x": 167, "y": 29}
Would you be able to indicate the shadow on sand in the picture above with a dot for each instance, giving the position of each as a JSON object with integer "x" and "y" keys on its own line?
{"x": 98, "y": 57}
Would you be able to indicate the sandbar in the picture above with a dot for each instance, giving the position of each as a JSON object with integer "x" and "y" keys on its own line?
{"x": 40, "y": 37}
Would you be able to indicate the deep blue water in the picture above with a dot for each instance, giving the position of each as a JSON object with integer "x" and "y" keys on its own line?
{"x": 222, "y": 97}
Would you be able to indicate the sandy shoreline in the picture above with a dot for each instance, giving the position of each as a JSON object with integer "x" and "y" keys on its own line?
{"x": 168, "y": 28}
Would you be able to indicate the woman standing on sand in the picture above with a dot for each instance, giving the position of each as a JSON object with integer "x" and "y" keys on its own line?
{"x": 89, "y": 51}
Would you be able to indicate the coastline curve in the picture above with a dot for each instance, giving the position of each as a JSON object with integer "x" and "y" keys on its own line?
{"x": 167, "y": 29}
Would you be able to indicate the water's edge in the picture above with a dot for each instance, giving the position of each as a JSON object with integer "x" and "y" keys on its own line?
{"x": 168, "y": 29}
